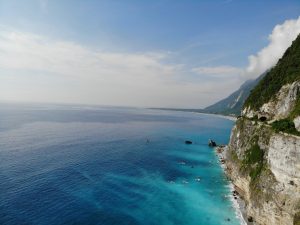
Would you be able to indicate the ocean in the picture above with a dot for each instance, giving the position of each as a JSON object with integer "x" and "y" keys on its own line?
{"x": 64, "y": 164}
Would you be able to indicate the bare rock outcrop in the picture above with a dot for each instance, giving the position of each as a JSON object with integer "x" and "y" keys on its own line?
{"x": 297, "y": 123}
{"x": 273, "y": 196}
{"x": 280, "y": 106}
{"x": 264, "y": 165}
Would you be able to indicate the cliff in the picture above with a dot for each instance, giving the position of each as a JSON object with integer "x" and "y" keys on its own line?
{"x": 263, "y": 156}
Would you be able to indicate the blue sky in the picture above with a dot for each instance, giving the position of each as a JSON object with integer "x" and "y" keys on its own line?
{"x": 189, "y": 42}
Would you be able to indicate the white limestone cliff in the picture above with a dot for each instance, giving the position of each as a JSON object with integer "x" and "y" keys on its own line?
{"x": 273, "y": 197}
{"x": 280, "y": 106}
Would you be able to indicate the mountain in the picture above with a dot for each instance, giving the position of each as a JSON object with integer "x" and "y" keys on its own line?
{"x": 284, "y": 73}
{"x": 263, "y": 155}
{"x": 234, "y": 102}
{"x": 232, "y": 105}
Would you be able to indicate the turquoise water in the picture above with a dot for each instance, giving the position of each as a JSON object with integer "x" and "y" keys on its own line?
{"x": 94, "y": 165}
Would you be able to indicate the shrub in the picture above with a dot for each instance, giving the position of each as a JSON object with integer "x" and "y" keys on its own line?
{"x": 254, "y": 161}
{"x": 286, "y": 126}
{"x": 296, "y": 110}
{"x": 297, "y": 219}
{"x": 254, "y": 155}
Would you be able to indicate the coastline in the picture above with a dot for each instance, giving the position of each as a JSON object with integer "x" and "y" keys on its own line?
{"x": 237, "y": 202}
{"x": 232, "y": 118}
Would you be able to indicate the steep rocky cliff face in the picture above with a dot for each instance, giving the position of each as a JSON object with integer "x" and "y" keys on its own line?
{"x": 281, "y": 107}
{"x": 265, "y": 168}
{"x": 263, "y": 156}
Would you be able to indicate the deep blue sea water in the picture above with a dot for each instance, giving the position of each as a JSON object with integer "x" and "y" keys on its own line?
{"x": 93, "y": 165}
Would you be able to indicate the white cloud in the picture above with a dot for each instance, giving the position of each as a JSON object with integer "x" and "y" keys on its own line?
{"x": 32, "y": 52}
{"x": 218, "y": 71}
{"x": 279, "y": 40}
{"x": 36, "y": 68}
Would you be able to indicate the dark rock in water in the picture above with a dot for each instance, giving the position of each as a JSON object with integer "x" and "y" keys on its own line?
{"x": 211, "y": 143}
{"x": 188, "y": 142}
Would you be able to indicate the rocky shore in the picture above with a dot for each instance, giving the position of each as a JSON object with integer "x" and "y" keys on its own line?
{"x": 236, "y": 198}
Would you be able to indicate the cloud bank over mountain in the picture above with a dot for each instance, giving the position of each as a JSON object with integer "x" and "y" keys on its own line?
{"x": 280, "y": 39}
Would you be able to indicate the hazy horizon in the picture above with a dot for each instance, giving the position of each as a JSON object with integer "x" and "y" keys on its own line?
{"x": 138, "y": 54}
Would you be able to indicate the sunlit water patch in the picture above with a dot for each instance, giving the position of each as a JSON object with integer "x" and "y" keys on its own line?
{"x": 109, "y": 166}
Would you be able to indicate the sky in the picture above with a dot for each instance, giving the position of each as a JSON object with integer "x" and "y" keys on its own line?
{"x": 167, "y": 53}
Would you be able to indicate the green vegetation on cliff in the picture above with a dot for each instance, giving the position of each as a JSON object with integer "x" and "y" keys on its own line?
{"x": 286, "y": 126}
{"x": 286, "y": 71}
{"x": 253, "y": 161}
{"x": 296, "y": 110}
{"x": 297, "y": 219}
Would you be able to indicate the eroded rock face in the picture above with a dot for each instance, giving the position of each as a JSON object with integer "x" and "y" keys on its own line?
{"x": 248, "y": 112}
{"x": 280, "y": 106}
{"x": 284, "y": 158}
{"x": 244, "y": 133}
{"x": 285, "y": 101}
{"x": 274, "y": 197}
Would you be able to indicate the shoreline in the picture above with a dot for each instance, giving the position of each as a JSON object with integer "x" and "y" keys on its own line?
{"x": 232, "y": 118}
{"x": 237, "y": 202}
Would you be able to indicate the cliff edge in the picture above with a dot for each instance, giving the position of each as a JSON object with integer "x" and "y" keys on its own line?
{"x": 263, "y": 156}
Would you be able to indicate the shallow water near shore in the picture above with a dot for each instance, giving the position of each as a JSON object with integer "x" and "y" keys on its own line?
{"x": 109, "y": 166}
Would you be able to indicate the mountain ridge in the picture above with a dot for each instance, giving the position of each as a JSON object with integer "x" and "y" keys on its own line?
{"x": 229, "y": 106}
{"x": 232, "y": 105}
{"x": 263, "y": 155}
